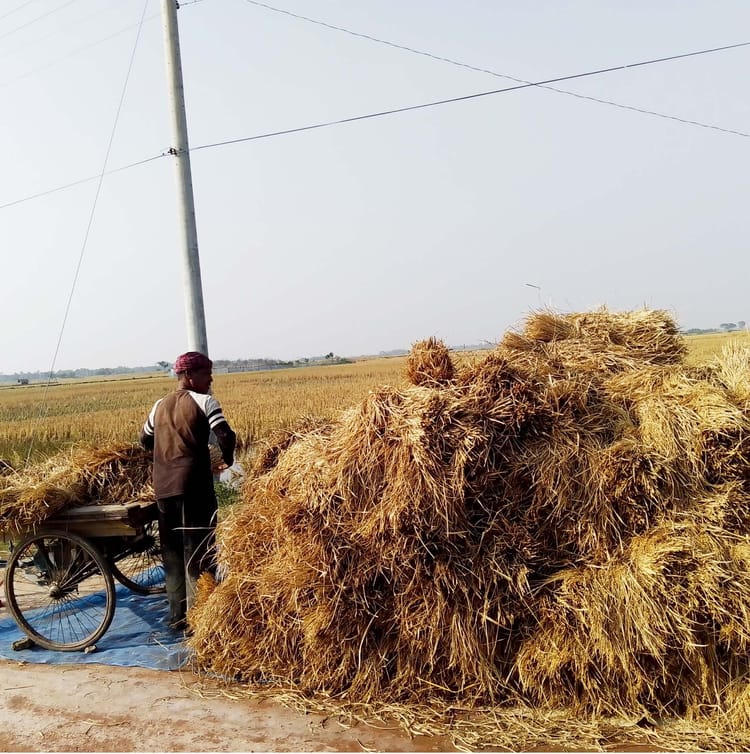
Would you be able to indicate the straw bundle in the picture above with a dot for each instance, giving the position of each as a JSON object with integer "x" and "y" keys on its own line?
{"x": 647, "y": 335}
{"x": 661, "y": 628}
{"x": 429, "y": 363}
{"x": 82, "y": 476}
{"x": 566, "y": 522}
{"x": 267, "y": 454}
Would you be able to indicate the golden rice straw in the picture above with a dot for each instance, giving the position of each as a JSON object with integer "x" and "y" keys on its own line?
{"x": 563, "y": 524}
{"x": 80, "y": 476}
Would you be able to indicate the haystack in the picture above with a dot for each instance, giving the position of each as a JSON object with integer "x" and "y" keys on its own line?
{"x": 81, "y": 476}
{"x": 429, "y": 363}
{"x": 565, "y": 524}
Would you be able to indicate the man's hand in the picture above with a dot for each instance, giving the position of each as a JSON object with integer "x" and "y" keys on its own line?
{"x": 217, "y": 459}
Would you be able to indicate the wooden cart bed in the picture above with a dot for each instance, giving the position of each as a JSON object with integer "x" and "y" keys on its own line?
{"x": 103, "y": 520}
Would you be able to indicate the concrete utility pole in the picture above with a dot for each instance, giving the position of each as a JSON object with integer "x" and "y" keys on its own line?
{"x": 194, "y": 311}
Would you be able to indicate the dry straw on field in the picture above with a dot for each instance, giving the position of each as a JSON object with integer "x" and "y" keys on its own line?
{"x": 83, "y": 476}
{"x": 564, "y": 525}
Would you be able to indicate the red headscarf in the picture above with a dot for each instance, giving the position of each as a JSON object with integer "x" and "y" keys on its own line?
{"x": 191, "y": 361}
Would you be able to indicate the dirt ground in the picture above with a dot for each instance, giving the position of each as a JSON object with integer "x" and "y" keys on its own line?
{"x": 105, "y": 708}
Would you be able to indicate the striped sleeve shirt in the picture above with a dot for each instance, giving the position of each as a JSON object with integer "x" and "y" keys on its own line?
{"x": 207, "y": 404}
{"x": 178, "y": 428}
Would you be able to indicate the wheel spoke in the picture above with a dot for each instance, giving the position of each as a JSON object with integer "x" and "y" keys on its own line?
{"x": 142, "y": 570}
{"x": 68, "y": 605}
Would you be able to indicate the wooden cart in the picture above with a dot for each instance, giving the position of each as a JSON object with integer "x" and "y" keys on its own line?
{"x": 59, "y": 580}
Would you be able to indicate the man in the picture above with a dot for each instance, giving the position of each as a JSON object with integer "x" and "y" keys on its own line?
{"x": 177, "y": 430}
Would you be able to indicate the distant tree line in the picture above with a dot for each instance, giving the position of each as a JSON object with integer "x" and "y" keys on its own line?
{"x": 220, "y": 365}
{"x": 740, "y": 324}
{"x": 67, "y": 374}
{"x": 254, "y": 365}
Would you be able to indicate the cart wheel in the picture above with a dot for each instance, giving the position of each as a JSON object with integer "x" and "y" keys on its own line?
{"x": 60, "y": 590}
{"x": 141, "y": 569}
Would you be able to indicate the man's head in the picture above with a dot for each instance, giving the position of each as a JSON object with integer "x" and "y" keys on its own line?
{"x": 193, "y": 371}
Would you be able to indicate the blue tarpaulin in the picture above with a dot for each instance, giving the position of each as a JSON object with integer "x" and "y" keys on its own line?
{"x": 137, "y": 637}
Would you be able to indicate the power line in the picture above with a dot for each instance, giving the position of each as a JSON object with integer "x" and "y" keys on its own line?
{"x": 77, "y": 50}
{"x": 74, "y": 52}
{"x": 381, "y": 114}
{"x": 38, "y": 18}
{"x": 442, "y": 59}
{"x": 58, "y": 29}
{"x": 91, "y": 220}
{"x": 18, "y": 7}
{"x": 80, "y": 182}
{"x": 477, "y": 95}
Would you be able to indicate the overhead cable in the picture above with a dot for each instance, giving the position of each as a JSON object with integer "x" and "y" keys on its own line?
{"x": 59, "y": 29}
{"x": 451, "y": 61}
{"x": 89, "y": 224}
{"x": 77, "y": 50}
{"x": 74, "y": 52}
{"x": 478, "y": 95}
{"x": 381, "y": 114}
{"x": 18, "y": 7}
{"x": 38, "y": 18}
{"x": 81, "y": 181}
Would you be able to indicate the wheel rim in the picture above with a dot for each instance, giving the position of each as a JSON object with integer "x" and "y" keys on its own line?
{"x": 142, "y": 569}
{"x": 59, "y": 591}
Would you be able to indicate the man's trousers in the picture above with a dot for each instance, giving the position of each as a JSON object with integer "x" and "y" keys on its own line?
{"x": 187, "y": 526}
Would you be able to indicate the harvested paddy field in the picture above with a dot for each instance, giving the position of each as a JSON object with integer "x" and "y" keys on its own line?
{"x": 47, "y": 419}
{"x": 258, "y": 403}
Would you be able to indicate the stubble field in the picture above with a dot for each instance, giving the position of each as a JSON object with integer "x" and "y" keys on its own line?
{"x": 38, "y": 420}
{"x": 49, "y": 418}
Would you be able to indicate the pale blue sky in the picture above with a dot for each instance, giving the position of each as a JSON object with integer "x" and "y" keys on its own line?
{"x": 367, "y": 236}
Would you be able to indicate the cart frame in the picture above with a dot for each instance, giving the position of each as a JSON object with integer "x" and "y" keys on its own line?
{"x": 59, "y": 570}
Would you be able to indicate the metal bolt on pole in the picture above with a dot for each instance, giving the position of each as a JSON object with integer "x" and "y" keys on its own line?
{"x": 194, "y": 311}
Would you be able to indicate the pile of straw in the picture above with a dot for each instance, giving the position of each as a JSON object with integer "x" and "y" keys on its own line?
{"x": 563, "y": 525}
{"x": 429, "y": 363}
{"x": 82, "y": 476}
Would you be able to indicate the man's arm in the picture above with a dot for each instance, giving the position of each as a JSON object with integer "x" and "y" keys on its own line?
{"x": 227, "y": 441}
{"x": 218, "y": 425}
{"x": 147, "y": 441}
{"x": 147, "y": 432}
